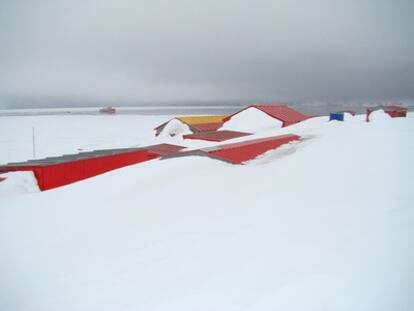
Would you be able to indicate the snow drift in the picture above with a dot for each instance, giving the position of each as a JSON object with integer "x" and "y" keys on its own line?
{"x": 17, "y": 183}
{"x": 175, "y": 127}
{"x": 251, "y": 120}
{"x": 378, "y": 115}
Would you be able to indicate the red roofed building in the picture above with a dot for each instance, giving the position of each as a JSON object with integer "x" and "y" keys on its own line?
{"x": 58, "y": 171}
{"x": 240, "y": 152}
{"x": 393, "y": 110}
{"x": 283, "y": 113}
{"x": 193, "y": 124}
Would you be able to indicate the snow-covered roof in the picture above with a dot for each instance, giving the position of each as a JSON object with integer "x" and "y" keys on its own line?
{"x": 194, "y": 120}
{"x": 281, "y": 112}
{"x": 196, "y": 123}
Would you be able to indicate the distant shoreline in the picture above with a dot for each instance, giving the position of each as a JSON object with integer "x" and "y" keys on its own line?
{"x": 322, "y": 108}
{"x": 159, "y": 110}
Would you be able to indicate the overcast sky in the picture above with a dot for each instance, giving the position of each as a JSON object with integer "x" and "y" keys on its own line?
{"x": 160, "y": 50}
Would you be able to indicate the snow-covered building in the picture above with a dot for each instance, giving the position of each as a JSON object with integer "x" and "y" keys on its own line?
{"x": 189, "y": 125}
{"x": 53, "y": 172}
{"x": 393, "y": 111}
{"x": 257, "y": 118}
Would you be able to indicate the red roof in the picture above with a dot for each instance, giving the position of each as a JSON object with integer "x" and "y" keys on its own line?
{"x": 238, "y": 153}
{"x": 164, "y": 149}
{"x": 216, "y": 135}
{"x": 206, "y": 127}
{"x": 388, "y": 108}
{"x": 281, "y": 112}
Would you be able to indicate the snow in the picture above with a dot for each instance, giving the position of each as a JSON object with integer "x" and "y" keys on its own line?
{"x": 175, "y": 127}
{"x": 17, "y": 183}
{"x": 323, "y": 224}
{"x": 348, "y": 116}
{"x": 378, "y": 115}
{"x": 251, "y": 120}
{"x": 57, "y": 135}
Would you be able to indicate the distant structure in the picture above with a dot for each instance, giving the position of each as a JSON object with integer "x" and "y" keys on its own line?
{"x": 336, "y": 116}
{"x": 351, "y": 112}
{"x": 393, "y": 110}
{"x": 341, "y": 115}
{"x": 107, "y": 110}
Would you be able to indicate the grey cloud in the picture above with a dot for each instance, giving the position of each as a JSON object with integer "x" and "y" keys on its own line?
{"x": 180, "y": 50}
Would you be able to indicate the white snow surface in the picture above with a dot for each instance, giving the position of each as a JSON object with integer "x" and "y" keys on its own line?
{"x": 348, "y": 116}
{"x": 17, "y": 183}
{"x": 57, "y": 135}
{"x": 251, "y": 120}
{"x": 322, "y": 224}
{"x": 378, "y": 115}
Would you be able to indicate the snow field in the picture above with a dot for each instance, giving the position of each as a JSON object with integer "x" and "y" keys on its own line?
{"x": 57, "y": 135}
{"x": 323, "y": 224}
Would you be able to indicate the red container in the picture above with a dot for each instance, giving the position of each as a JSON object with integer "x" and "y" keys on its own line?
{"x": 51, "y": 176}
{"x": 59, "y": 171}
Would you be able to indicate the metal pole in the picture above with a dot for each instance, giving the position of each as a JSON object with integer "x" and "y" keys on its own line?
{"x": 33, "y": 142}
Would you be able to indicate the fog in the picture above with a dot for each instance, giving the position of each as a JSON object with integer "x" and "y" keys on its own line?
{"x": 217, "y": 50}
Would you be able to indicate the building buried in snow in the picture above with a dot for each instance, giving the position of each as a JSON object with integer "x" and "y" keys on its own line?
{"x": 58, "y": 171}
{"x": 251, "y": 119}
{"x": 393, "y": 110}
{"x": 189, "y": 125}
{"x": 239, "y": 152}
{"x": 282, "y": 116}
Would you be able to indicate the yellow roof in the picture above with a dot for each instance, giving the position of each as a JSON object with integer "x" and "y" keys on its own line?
{"x": 201, "y": 119}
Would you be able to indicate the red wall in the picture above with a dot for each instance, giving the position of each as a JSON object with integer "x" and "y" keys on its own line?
{"x": 60, "y": 174}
